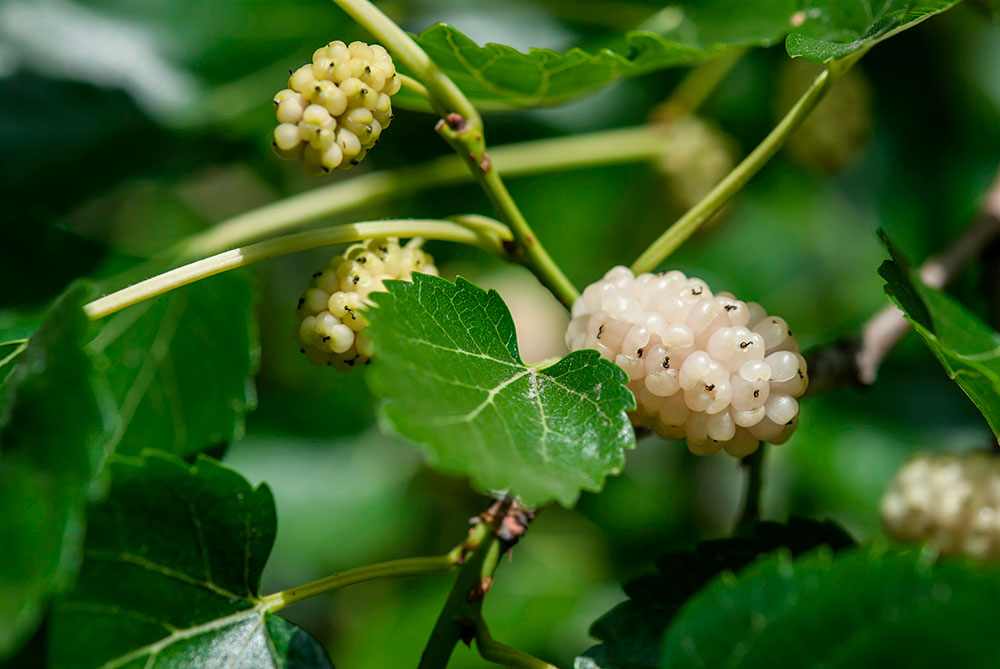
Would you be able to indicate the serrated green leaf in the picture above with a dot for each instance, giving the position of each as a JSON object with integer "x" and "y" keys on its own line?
{"x": 863, "y": 608}
{"x": 632, "y": 631}
{"x": 181, "y": 366}
{"x": 681, "y": 34}
{"x": 171, "y": 573}
{"x": 837, "y": 28}
{"x": 448, "y": 368}
{"x": 53, "y": 433}
{"x": 968, "y": 349}
{"x": 499, "y": 75}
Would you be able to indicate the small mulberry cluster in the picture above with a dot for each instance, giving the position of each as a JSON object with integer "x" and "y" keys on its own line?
{"x": 333, "y": 323}
{"x": 949, "y": 501}
{"x": 335, "y": 108}
{"x": 709, "y": 368}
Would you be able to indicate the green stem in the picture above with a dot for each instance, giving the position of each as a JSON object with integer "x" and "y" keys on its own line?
{"x": 464, "y": 604}
{"x": 524, "y": 159}
{"x": 754, "y": 464}
{"x": 687, "y": 224}
{"x": 498, "y": 653}
{"x": 246, "y": 255}
{"x": 415, "y": 86}
{"x": 393, "y": 569}
{"x": 462, "y": 127}
{"x": 19, "y": 346}
{"x": 529, "y": 250}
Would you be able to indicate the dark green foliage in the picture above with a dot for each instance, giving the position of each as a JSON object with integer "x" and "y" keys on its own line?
{"x": 181, "y": 366}
{"x": 862, "y": 608}
{"x": 53, "y": 433}
{"x": 631, "y": 632}
{"x": 171, "y": 575}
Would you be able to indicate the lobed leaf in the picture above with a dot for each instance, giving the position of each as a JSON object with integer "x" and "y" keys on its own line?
{"x": 171, "y": 572}
{"x": 631, "y": 632}
{"x": 54, "y": 425}
{"x": 866, "y": 607}
{"x": 181, "y": 367}
{"x": 452, "y": 380}
{"x": 967, "y": 348}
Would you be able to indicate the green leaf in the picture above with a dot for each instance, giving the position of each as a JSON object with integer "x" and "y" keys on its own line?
{"x": 499, "y": 75}
{"x": 171, "y": 573}
{"x": 496, "y": 76}
{"x": 448, "y": 367}
{"x": 631, "y": 632}
{"x": 864, "y": 608}
{"x": 53, "y": 433}
{"x": 968, "y": 349}
{"x": 181, "y": 366}
{"x": 837, "y": 28}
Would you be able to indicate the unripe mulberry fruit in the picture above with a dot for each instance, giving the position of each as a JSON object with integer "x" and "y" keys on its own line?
{"x": 951, "y": 502}
{"x": 837, "y": 130}
{"x": 708, "y": 368}
{"x": 335, "y": 108}
{"x": 331, "y": 331}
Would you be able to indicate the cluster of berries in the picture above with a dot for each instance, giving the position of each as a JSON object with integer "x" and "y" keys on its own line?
{"x": 712, "y": 369}
{"x": 335, "y": 108}
{"x": 332, "y": 310}
{"x": 949, "y": 501}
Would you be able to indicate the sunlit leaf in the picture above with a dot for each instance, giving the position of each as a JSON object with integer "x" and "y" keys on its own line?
{"x": 448, "y": 367}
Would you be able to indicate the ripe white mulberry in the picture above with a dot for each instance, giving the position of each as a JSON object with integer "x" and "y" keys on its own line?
{"x": 333, "y": 322}
{"x": 336, "y": 107}
{"x": 949, "y": 501}
{"x": 709, "y": 368}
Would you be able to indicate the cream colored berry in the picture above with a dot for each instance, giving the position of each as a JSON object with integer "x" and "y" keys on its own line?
{"x": 950, "y": 501}
{"x": 342, "y": 100}
{"x": 331, "y": 331}
{"x": 709, "y": 368}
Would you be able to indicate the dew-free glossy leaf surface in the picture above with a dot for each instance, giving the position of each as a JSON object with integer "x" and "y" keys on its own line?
{"x": 181, "y": 366}
{"x": 632, "y": 631}
{"x": 171, "y": 572}
{"x": 53, "y": 427}
{"x": 862, "y": 608}
{"x": 967, "y": 348}
{"x": 681, "y": 34}
{"x": 448, "y": 368}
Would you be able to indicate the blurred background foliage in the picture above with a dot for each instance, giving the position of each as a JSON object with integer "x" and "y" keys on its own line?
{"x": 125, "y": 126}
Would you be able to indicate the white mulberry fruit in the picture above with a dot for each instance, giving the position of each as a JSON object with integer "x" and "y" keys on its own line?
{"x": 336, "y": 107}
{"x": 332, "y": 328}
{"x": 709, "y": 368}
{"x": 950, "y": 501}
